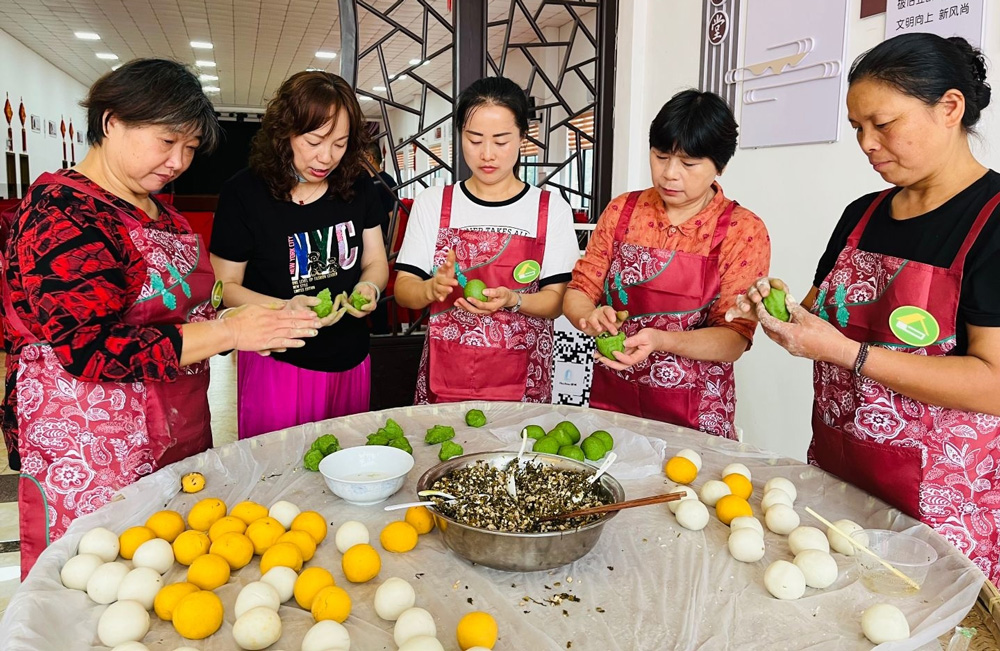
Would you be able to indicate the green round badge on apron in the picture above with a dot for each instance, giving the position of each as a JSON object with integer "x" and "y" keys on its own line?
{"x": 914, "y": 326}
{"x": 527, "y": 271}
{"x": 217, "y": 294}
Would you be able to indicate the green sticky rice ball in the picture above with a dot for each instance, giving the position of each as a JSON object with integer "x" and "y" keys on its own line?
{"x": 571, "y": 452}
{"x": 535, "y": 432}
{"x": 571, "y": 429}
{"x": 593, "y": 448}
{"x": 609, "y": 442}
{"x": 546, "y": 445}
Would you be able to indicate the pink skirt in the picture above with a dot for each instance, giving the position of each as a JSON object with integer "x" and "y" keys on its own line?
{"x": 273, "y": 395}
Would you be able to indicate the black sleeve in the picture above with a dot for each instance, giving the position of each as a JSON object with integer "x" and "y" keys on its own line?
{"x": 838, "y": 239}
{"x": 232, "y": 236}
{"x": 365, "y": 190}
{"x": 980, "y": 302}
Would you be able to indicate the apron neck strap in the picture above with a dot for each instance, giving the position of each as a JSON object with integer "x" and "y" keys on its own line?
{"x": 722, "y": 227}
{"x": 446, "y": 199}
{"x": 543, "y": 217}
{"x": 626, "y": 215}
{"x": 859, "y": 228}
{"x": 977, "y": 227}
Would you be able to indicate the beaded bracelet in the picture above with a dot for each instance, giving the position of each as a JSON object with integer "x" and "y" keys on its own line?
{"x": 862, "y": 357}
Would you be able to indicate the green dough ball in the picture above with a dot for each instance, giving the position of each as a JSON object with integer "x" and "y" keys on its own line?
{"x": 593, "y": 448}
{"x": 450, "y": 449}
{"x": 571, "y": 452}
{"x": 607, "y": 344}
{"x": 392, "y": 430}
{"x": 402, "y": 444}
{"x": 439, "y": 434}
{"x": 359, "y": 300}
{"x": 535, "y": 432}
{"x": 774, "y": 303}
{"x": 325, "y": 304}
{"x": 606, "y": 438}
{"x": 560, "y": 435}
{"x": 377, "y": 439}
{"x": 312, "y": 459}
{"x": 546, "y": 445}
{"x": 475, "y": 418}
{"x": 474, "y": 289}
{"x": 571, "y": 429}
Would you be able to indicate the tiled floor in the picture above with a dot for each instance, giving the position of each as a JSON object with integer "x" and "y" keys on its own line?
{"x": 222, "y": 398}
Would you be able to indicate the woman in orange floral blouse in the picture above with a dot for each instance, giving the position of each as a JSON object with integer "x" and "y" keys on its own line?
{"x": 673, "y": 256}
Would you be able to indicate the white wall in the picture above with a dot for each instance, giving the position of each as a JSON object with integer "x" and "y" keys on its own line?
{"x": 48, "y": 93}
{"x": 798, "y": 191}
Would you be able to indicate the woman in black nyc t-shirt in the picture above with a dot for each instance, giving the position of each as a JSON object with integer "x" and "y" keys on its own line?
{"x": 303, "y": 218}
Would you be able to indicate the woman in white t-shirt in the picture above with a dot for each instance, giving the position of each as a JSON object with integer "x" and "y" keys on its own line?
{"x": 495, "y": 237}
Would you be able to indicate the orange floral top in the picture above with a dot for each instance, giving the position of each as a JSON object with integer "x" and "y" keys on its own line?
{"x": 745, "y": 254}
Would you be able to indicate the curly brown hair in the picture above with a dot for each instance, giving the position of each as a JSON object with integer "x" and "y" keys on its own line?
{"x": 305, "y": 102}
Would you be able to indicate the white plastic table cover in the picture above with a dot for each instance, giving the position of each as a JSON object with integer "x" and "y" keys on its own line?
{"x": 648, "y": 583}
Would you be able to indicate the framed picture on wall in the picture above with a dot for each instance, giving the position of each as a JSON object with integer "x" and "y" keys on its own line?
{"x": 51, "y": 129}
{"x": 79, "y": 137}
{"x": 36, "y": 124}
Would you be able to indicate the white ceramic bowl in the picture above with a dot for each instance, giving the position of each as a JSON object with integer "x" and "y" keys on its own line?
{"x": 366, "y": 474}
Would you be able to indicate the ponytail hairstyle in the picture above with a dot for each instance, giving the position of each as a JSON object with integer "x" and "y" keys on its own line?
{"x": 494, "y": 91}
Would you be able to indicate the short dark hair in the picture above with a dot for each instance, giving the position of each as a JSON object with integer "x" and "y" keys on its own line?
{"x": 305, "y": 102}
{"x": 699, "y": 124}
{"x": 146, "y": 92}
{"x": 375, "y": 151}
{"x": 926, "y": 66}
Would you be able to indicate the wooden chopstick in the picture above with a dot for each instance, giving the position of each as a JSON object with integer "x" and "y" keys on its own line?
{"x": 618, "y": 506}
{"x": 863, "y": 548}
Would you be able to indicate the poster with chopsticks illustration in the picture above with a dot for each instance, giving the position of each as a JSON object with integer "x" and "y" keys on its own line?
{"x": 791, "y": 82}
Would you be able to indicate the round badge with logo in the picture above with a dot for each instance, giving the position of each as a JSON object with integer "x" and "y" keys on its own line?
{"x": 527, "y": 271}
{"x": 217, "y": 294}
{"x": 914, "y": 326}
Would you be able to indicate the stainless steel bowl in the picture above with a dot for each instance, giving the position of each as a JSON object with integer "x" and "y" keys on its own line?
{"x": 519, "y": 552}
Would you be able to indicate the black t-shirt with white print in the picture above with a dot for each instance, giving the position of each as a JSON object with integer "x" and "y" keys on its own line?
{"x": 295, "y": 249}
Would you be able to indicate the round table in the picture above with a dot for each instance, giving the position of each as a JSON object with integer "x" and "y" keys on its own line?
{"x": 648, "y": 584}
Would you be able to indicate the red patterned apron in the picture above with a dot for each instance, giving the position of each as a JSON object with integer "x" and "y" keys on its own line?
{"x": 80, "y": 442}
{"x": 501, "y": 356}
{"x": 673, "y": 291}
{"x": 936, "y": 464}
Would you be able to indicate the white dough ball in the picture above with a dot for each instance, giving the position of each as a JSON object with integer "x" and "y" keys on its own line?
{"x": 257, "y": 629}
{"x": 393, "y": 597}
{"x": 736, "y": 469}
{"x": 775, "y": 496}
{"x": 784, "y": 580}
{"x": 884, "y": 623}
{"x": 689, "y": 494}
{"x": 327, "y": 635}
{"x": 256, "y": 595}
{"x": 747, "y": 522}
{"x": 781, "y": 519}
{"x": 349, "y": 534}
{"x": 803, "y": 538}
{"x": 413, "y": 622}
{"x": 102, "y": 586}
{"x": 746, "y": 545}
{"x": 131, "y": 646}
{"x": 839, "y": 543}
{"x": 713, "y": 491}
{"x": 691, "y": 456}
{"x": 141, "y": 584}
{"x": 185, "y": 648}
{"x": 819, "y": 568}
{"x": 101, "y": 542}
{"x": 156, "y": 554}
{"x": 282, "y": 579}
{"x": 78, "y": 570}
{"x": 422, "y": 643}
{"x": 692, "y": 514}
{"x": 784, "y": 484}
{"x": 123, "y": 621}
{"x": 284, "y": 512}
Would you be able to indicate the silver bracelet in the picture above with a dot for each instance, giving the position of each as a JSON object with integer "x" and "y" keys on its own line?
{"x": 517, "y": 306}
{"x": 378, "y": 292}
